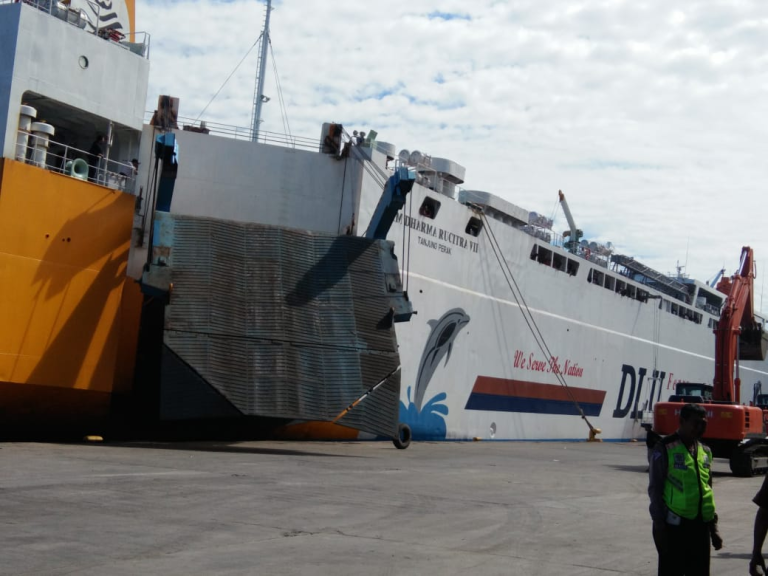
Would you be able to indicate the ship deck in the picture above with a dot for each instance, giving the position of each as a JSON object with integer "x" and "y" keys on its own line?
{"x": 342, "y": 508}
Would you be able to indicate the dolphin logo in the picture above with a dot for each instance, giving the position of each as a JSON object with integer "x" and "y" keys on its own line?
{"x": 439, "y": 344}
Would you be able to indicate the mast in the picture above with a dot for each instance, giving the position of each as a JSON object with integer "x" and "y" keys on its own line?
{"x": 258, "y": 97}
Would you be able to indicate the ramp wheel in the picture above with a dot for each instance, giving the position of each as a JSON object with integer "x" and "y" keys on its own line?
{"x": 750, "y": 458}
{"x": 403, "y": 438}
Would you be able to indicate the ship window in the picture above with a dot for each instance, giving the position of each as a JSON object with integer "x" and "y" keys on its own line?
{"x": 631, "y": 291}
{"x": 610, "y": 282}
{"x": 544, "y": 256}
{"x": 597, "y": 278}
{"x": 697, "y": 317}
{"x": 573, "y": 267}
{"x": 558, "y": 261}
{"x": 473, "y": 227}
{"x": 534, "y": 251}
{"x": 675, "y": 309}
{"x": 429, "y": 208}
{"x": 642, "y": 295}
{"x": 621, "y": 287}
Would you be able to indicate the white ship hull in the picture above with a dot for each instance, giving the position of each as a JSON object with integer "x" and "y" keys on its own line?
{"x": 489, "y": 379}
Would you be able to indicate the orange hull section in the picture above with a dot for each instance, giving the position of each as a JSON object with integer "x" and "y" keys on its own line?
{"x": 26, "y": 409}
{"x": 315, "y": 431}
{"x": 69, "y": 315}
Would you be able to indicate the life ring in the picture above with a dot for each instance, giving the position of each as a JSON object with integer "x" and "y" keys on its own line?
{"x": 403, "y": 438}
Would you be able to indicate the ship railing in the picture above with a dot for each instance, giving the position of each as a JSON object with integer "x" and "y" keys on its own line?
{"x": 242, "y": 133}
{"x": 544, "y": 234}
{"x": 139, "y": 41}
{"x": 77, "y": 163}
{"x": 554, "y": 239}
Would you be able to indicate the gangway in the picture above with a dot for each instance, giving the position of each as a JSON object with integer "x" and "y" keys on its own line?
{"x": 659, "y": 281}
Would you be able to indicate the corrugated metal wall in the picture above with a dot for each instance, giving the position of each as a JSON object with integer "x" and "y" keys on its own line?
{"x": 284, "y": 323}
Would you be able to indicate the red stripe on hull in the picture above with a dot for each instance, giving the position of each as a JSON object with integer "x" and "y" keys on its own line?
{"x": 522, "y": 389}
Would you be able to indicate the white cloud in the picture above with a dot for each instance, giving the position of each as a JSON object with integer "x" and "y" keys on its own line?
{"x": 651, "y": 119}
{"x": 677, "y": 18}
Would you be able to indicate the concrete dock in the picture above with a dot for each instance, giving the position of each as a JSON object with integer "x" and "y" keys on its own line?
{"x": 341, "y": 508}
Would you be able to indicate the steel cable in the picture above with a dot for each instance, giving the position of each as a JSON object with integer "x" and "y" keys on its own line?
{"x": 529, "y": 319}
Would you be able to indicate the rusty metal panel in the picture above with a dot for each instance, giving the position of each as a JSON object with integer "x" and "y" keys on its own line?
{"x": 285, "y": 323}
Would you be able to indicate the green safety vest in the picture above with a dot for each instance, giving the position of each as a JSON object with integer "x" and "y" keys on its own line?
{"x": 687, "y": 490}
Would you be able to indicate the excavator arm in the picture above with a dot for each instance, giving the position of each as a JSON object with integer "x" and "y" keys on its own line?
{"x": 738, "y": 335}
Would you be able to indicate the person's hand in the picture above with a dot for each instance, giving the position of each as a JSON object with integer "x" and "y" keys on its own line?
{"x": 717, "y": 541}
{"x": 757, "y": 561}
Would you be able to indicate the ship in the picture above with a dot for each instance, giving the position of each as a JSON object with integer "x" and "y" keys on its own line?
{"x": 517, "y": 332}
{"x": 121, "y": 314}
{"x": 69, "y": 312}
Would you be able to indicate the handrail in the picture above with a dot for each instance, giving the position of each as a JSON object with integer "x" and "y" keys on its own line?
{"x": 81, "y": 19}
{"x": 102, "y": 171}
{"x": 241, "y": 133}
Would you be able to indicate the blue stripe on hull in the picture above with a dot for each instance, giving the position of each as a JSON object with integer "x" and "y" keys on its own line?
{"x": 494, "y": 403}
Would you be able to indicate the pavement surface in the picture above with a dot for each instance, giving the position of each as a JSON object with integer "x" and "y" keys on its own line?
{"x": 359, "y": 508}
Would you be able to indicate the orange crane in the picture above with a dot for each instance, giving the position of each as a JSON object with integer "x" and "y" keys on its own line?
{"x": 734, "y": 431}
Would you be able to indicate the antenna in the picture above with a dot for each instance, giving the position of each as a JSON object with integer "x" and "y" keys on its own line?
{"x": 258, "y": 96}
{"x": 762, "y": 289}
{"x": 680, "y": 269}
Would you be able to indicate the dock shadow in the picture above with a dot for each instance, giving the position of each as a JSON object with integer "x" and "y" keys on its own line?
{"x": 733, "y": 555}
{"x": 643, "y": 469}
{"x": 221, "y": 447}
{"x": 637, "y": 468}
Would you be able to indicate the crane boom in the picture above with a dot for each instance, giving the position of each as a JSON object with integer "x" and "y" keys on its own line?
{"x": 738, "y": 331}
{"x": 392, "y": 200}
{"x": 573, "y": 232}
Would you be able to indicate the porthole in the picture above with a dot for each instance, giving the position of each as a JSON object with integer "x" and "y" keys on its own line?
{"x": 83, "y": 61}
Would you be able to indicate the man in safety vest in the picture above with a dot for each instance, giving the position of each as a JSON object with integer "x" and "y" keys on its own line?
{"x": 682, "y": 502}
{"x": 757, "y": 563}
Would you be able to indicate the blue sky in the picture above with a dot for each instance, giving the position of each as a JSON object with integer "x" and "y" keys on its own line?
{"x": 649, "y": 115}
